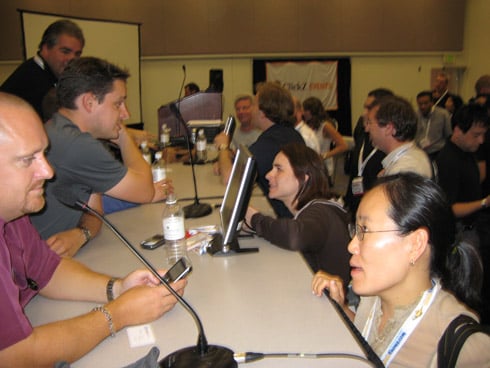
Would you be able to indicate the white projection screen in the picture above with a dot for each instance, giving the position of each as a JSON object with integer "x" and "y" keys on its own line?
{"x": 116, "y": 42}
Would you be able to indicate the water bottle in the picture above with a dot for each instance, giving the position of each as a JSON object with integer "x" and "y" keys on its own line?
{"x": 165, "y": 136}
{"x": 145, "y": 151}
{"x": 193, "y": 136}
{"x": 174, "y": 231}
{"x": 158, "y": 168}
{"x": 201, "y": 144}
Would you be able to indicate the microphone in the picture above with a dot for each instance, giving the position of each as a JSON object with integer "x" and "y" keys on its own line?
{"x": 183, "y": 82}
{"x": 202, "y": 355}
{"x": 195, "y": 209}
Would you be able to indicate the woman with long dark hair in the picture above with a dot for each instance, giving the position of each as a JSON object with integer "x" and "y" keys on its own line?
{"x": 319, "y": 228}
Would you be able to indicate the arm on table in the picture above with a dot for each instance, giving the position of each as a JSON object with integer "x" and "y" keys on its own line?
{"x": 67, "y": 243}
{"x": 137, "y": 185}
{"x": 323, "y": 280}
{"x": 138, "y": 300}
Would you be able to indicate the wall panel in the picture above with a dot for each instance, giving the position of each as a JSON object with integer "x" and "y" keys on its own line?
{"x": 218, "y": 27}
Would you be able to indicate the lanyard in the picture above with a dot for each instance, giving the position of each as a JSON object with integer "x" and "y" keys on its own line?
{"x": 361, "y": 165}
{"x": 399, "y": 154}
{"x": 408, "y": 326}
{"x": 440, "y": 98}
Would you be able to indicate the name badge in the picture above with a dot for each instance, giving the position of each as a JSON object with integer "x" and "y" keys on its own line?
{"x": 357, "y": 186}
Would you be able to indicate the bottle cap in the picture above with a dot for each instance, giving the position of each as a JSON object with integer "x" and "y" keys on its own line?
{"x": 171, "y": 198}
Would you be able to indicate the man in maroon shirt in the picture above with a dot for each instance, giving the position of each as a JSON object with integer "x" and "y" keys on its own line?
{"x": 28, "y": 266}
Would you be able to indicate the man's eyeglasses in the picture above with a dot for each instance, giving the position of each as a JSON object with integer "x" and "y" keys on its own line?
{"x": 359, "y": 231}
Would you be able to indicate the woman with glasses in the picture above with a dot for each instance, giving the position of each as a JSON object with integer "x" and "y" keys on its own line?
{"x": 413, "y": 276}
{"x": 318, "y": 230}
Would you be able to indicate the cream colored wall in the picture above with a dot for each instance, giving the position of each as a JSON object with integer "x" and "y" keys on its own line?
{"x": 476, "y": 44}
{"x": 161, "y": 79}
{"x": 404, "y": 75}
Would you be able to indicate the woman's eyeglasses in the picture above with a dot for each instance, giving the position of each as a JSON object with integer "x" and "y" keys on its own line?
{"x": 359, "y": 231}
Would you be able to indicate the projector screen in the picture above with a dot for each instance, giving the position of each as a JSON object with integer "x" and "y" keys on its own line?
{"x": 116, "y": 42}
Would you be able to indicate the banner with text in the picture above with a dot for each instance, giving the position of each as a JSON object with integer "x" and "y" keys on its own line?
{"x": 307, "y": 79}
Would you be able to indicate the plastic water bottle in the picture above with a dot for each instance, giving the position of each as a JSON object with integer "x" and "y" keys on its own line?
{"x": 145, "y": 151}
{"x": 193, "y": 136}
{"x": 165, "y": 136}
{"x": 174, "y": 231}
{"x": 201, "y": 144}
{"x": 158, "y": 168}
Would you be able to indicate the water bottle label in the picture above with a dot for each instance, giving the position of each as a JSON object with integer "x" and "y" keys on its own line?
{"x": 158, "y": 174}
{"x": 201, "y": 145}
{"x": 173, "y": 228}
{"x": 165, "y": 138}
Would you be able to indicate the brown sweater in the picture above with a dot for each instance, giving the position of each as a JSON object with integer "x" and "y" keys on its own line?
{"x": 318, "y": 231}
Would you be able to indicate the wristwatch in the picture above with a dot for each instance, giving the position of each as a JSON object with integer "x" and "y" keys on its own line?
{"x": 86, "y": 233}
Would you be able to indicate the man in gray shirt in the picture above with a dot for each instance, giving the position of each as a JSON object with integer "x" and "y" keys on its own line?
{"x": 433, "y": 125}
{"x": 392, "y": 125}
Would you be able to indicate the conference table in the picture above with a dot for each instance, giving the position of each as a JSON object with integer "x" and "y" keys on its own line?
{"x": 260, "y": 302}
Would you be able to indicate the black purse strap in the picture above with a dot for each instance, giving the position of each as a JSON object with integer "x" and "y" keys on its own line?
{"x": 454, "y": 337}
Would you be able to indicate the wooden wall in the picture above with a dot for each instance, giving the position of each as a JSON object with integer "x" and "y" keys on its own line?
{"x": 259, "y": 27}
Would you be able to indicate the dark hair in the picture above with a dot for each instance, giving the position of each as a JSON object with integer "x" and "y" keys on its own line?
{"x": 276, "y": 103}
{"x": 417, "y": 202}
{"x": 193, "y": 87}
{"x": 87, "y": 74}
{"x": 379, "y": 93}
{"x": 482, "y": 83}
{"x": 457, "y": 101}
{"x": 468, "y": 115}
{"x": 318, "y": 113}
{"x": 425, "y": 94}
{"x": 399, "y": 112}
{"x": 305, "y": 161}
{"x": 54, "y": 30}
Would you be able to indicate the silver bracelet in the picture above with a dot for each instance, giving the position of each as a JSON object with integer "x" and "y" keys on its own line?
{"x": 108, "y": 317}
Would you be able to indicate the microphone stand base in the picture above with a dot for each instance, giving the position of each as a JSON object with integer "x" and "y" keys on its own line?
{"x": 197, "y": 210}
{"x": 216, "y": 357}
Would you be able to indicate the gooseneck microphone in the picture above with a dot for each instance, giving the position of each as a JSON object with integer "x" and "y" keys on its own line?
{"x": 183, "y": 82}
{"x": 202, "y": 355}
{"x": 196, "y": 209}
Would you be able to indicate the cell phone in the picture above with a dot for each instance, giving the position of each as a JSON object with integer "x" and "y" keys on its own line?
{"x": 178, "y": 271}
{"x": 153, "y": 242}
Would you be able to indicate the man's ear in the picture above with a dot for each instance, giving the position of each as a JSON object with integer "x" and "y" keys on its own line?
{"x": 88, "y": 101}
{"x": 390, "y": 129}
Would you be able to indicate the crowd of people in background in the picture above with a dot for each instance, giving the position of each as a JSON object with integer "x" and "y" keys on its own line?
{"x": 410, "y": 236}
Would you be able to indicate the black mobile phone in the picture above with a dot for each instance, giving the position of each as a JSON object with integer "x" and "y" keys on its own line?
{"x": 153, "y": 242}
{"x": 178, "y": 271}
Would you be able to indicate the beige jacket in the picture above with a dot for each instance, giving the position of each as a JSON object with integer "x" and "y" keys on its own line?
{"x": 420, "y": 349}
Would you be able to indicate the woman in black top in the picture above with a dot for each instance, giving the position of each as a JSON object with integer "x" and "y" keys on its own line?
{"x": 319, "y": 228}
